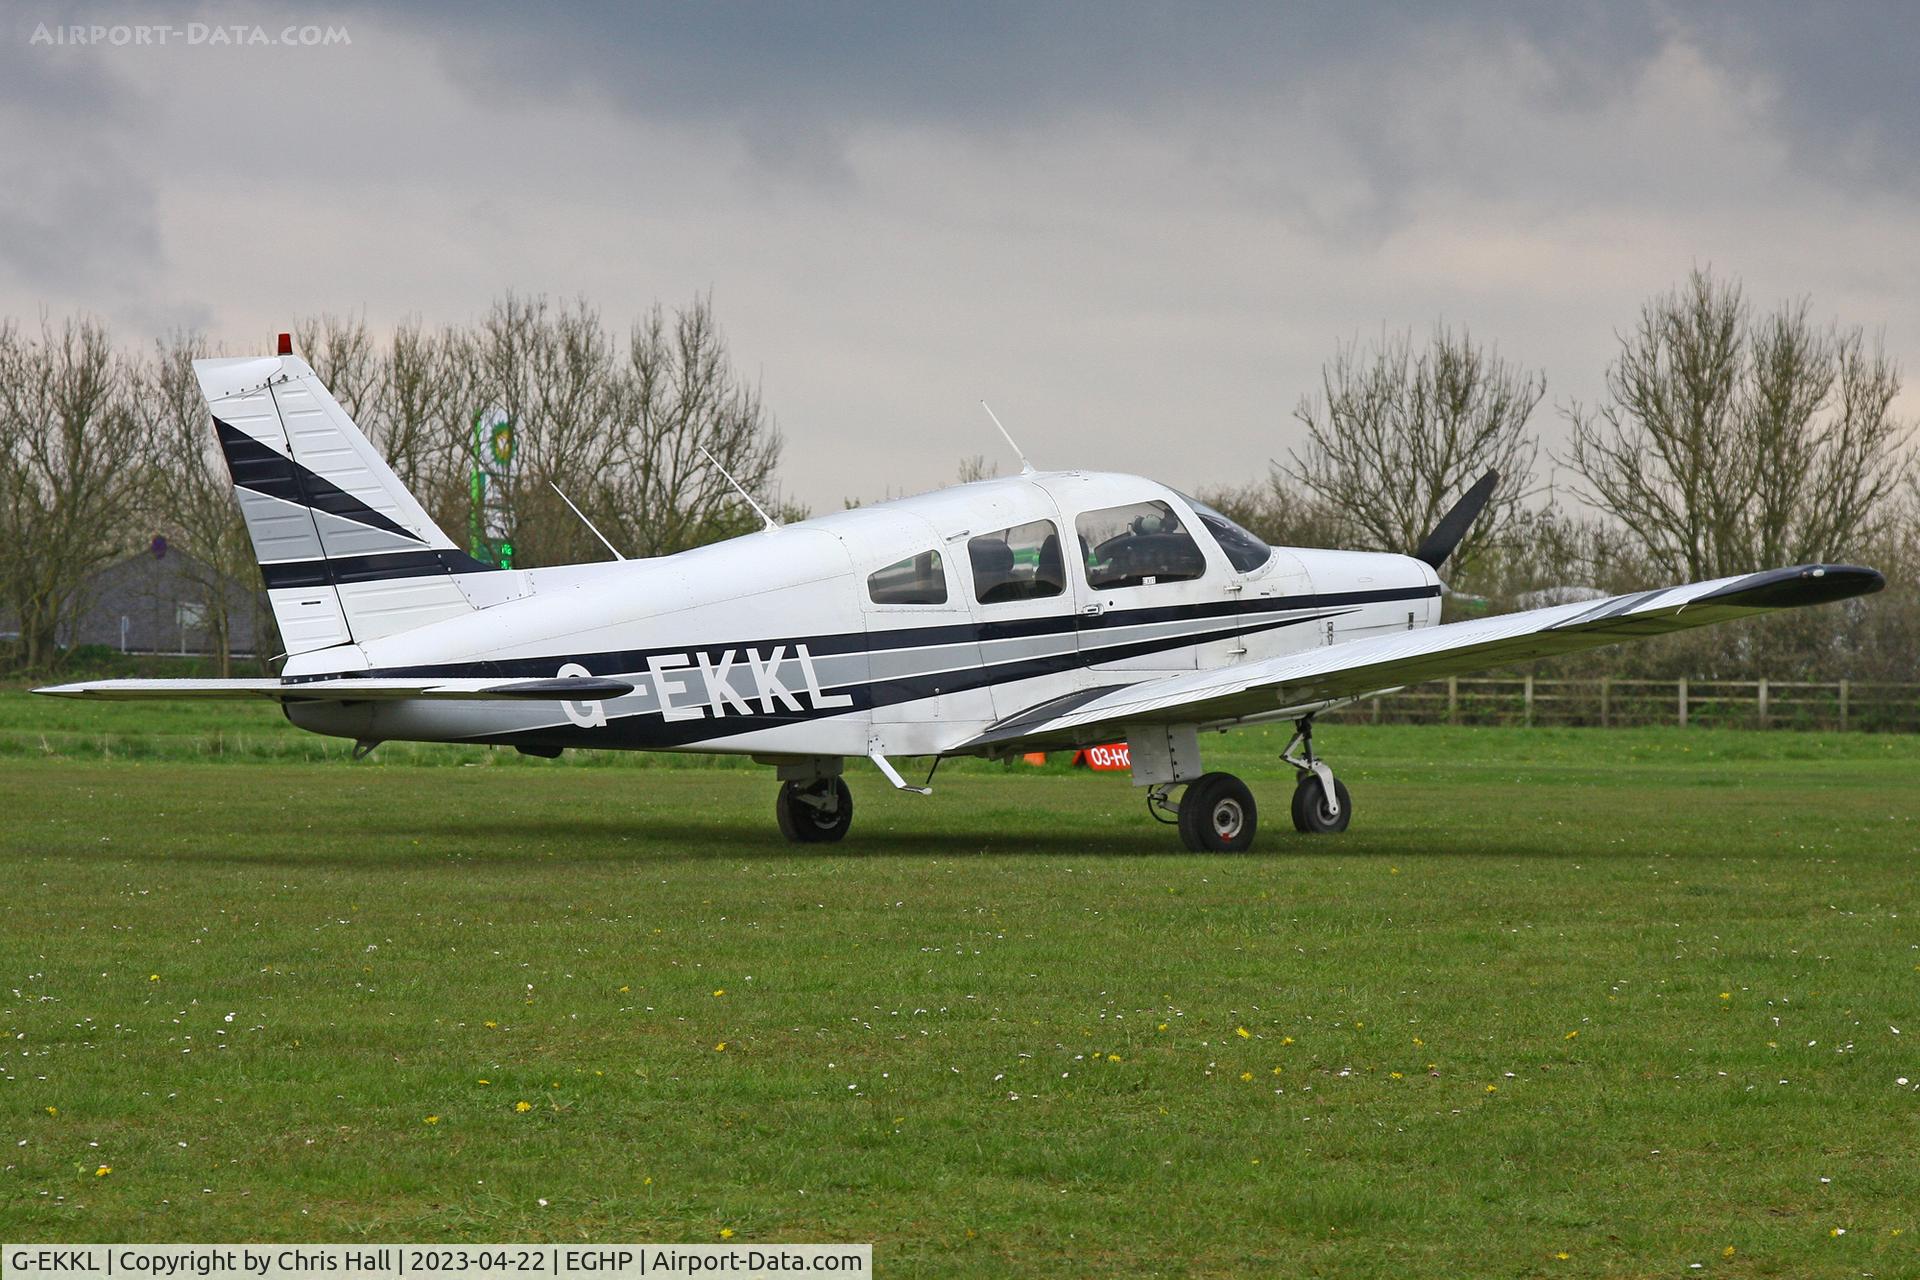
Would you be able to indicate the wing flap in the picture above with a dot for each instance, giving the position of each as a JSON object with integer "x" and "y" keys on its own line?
{"x": 1299, "y": 682}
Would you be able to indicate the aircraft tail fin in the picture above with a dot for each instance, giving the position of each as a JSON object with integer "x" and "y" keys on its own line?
{"x": 347, "y": 553}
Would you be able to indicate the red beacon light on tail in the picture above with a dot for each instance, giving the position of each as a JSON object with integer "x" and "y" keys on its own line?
{"x": 285, "y": 345}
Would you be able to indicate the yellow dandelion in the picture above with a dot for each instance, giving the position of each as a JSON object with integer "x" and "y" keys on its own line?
{"x": 1418, "y": 1043}
{"x": 53, "y": 1111}
{"x": 523, "y": 1107}
{"x": 1286, "y": 1039}
{"x": 647, "y": 1181}
{"x": 1278, "y": 1070}
{"x": 1113, "y": 1057}
{"x": 490, "y": 1024}
{"x": 1243, "y": 1033}
{"x": 719, "y": 991}
{"x": 153, "y": 977}
{"x": 1358, "y": 1025}
{"x": 1395, "y": 1075}
{"x": 486, "y": 1082}
{"x": 1563, "y": 1255}
{"x": 721, "y": 1047}
{"x": 1727, "y": 1252}
{"x": 1838, "y": 1231}
{"x": 726, "y": 1233}
{"x": 1246, "y": 1075}
{"x": 625, "y": 989}
{"x": 1493, "y": 1088}
{"x": 1571, "y": 1035}
{"x": 1161, "y": 1027}
{"x": 431, "y": 1120}
{"x": 103, "y": 1171}
{"x": 1726, "y": 995}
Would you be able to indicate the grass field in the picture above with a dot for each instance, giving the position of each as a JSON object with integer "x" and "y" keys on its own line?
{"x": 1562, "y": 1003}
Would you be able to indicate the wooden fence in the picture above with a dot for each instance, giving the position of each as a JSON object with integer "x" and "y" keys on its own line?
{"x": 1605, "y": 701}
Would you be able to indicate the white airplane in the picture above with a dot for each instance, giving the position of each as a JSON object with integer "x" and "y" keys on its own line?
{"x": 1046, "y": 611}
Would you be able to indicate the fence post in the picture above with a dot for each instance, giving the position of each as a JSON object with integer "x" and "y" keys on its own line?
{"x": 1453, "y": 701}
{"x": 1843, "y": 706}
{"x": 1763, "y": 702}
{"x": 1529, "y": 700}
{"x": 1606, "y": 688}
{"x": 1376, "y": 711}
{"x": 1683, "y": 702}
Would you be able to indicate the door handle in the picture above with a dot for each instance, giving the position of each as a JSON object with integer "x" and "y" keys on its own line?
{"x": 1092, "y": 610}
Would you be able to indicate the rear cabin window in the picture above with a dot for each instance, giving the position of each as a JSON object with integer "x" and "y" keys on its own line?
{"x": 1021, "y": 563}
{"x": 1137, "y": 545}
{"x": 920, "y": 579}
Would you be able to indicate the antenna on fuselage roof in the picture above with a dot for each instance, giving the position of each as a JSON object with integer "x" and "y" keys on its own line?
{"x": 1026, "y": 468}
{"x": 583, "y": 520}
{"x": 758, "y": 510}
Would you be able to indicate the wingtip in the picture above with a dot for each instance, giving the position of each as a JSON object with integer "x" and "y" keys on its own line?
{"x": 1801, "y": 585}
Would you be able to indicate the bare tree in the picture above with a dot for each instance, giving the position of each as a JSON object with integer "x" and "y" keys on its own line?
{"x": 71, "y": 465}
{"x": 977, "y": 468}
{"x": 1727, "y": 443}
{"x": 343, "y": 354}
{"x": 678, "y": 399}
{"x": 1396, "y": 437}
{"x": 426, "y": 429}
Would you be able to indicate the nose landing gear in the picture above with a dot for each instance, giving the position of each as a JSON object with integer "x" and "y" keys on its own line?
{"x": 1321, "y": 805}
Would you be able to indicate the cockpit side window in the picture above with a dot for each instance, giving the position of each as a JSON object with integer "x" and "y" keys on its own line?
{"x": 1244, "y": 551}
{"x": 1020, "y": 563}
{"x": 920, "y": 579}
{"x": 1137, "y": 545}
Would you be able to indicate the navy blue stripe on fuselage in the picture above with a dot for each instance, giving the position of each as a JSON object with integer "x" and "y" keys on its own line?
{"x": 647, "y": 730}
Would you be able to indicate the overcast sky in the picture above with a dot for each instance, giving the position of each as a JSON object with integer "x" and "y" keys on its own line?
{"x": 1136, "y": 230}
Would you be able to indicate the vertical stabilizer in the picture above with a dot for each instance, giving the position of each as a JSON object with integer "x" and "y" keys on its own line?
{"x": 347, "y": 553}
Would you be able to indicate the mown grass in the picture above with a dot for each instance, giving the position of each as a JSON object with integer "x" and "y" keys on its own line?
{"x": 1630, "y": 996}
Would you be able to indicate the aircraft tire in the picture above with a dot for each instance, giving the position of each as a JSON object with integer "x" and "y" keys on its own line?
{"x": 1217, "y": 815}
{"x": 1310, "y": 807}
{"x": 804, "y": 823}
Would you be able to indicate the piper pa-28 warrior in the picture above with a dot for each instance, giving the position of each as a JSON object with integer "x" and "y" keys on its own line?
{"x": 1050, "y": 610}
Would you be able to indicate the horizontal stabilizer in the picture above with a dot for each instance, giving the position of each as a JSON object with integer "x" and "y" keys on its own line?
{"x": 348, "y": 689}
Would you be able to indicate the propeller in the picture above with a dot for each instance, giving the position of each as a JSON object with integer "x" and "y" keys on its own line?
{"x": 1453, "y": 526}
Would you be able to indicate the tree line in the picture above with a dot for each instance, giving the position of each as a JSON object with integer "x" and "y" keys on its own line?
{"x": 101, "y": 449}
{"x": 1727, "y": 437}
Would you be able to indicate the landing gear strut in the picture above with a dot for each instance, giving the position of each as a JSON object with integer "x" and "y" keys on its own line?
{"x": 1321, "y": 805}
{"x": 815, "y": 812}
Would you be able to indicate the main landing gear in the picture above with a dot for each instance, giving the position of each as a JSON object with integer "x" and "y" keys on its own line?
{"x": 814, "y": 805}
{"x": 816, "y": 812}
{"x": 1321, "y": 805}
{"x": 1216, "y": 813}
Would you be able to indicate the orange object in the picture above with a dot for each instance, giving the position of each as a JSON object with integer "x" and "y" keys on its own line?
{"x": 1035, "y": 757}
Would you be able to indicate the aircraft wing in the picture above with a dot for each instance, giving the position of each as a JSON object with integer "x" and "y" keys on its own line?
{"x": 1301, "y": 682}
{"x": 348, "y": 689}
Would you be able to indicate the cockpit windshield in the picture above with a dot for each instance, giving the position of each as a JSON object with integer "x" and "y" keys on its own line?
{"x": 1244, "y": 551}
